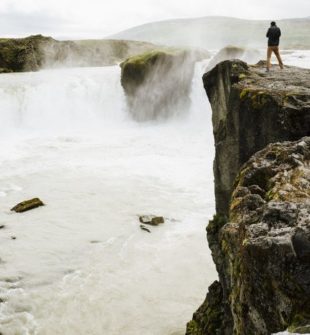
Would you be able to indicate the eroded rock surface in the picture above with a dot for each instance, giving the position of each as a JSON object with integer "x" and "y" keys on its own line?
{"x": 251, "y": 109}
{"x": 260, "y": 236}
{"x": 262, "y": 253}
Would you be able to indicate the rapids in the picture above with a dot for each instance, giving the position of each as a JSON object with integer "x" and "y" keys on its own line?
{"x": 81, "y": 264}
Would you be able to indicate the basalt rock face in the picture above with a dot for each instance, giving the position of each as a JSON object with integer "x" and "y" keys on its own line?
{"x": 260, "y": 236}
{"x": 251, "y": 109}
{"x": 157, "y": 84}
{"x": 267, "y": 241}
{"x": 262, "y": 253}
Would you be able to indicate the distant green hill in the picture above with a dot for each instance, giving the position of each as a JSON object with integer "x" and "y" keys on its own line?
{"x": 217, "y": 32}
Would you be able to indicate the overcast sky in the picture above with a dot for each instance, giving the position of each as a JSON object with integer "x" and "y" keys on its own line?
{"x": 99, "y": 18}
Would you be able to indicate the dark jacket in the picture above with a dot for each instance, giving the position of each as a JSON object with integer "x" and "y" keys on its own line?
{"x": 273, "y": 35}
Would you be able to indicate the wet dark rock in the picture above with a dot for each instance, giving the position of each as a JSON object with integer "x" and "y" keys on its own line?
{"x": 213, "y": 312}
{"x": 2, "y": 226}
{"x": 27, "y": 205}
{"x": 301, "y": 244}
{"x": 13, "y": 237}
{"x": 144, "y": 228}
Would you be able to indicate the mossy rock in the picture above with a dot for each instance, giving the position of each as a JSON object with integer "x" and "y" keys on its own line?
{"x": 23, "y": 54}
{"x": 136, "y": 69}
{"x": 27, "y": 205}
{"x": 157, "y": 84}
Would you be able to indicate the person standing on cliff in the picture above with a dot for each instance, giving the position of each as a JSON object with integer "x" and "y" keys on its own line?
{"x": 273, "y": 35}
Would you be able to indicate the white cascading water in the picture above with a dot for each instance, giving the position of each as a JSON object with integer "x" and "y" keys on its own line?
{"x": 81, "y": 264}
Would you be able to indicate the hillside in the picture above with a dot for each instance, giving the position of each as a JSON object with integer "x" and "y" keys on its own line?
{"x": 217, "y": 32}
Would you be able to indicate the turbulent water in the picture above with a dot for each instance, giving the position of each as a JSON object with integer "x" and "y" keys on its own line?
{"x": 81, "y": 264}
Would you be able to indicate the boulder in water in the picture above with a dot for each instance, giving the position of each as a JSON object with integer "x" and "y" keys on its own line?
{"x": 151, "y": 220}
{"x": 27, "y": 205}
{"x": 144, "y": 228}
{"x": 157, "y": 84}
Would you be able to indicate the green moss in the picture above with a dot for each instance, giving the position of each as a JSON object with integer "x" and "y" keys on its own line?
{"x": 245, "y": 242}
{"x": 300, "y": 324}
{"x": 22, "y": 54}
{"x": 136, "y": 69}
{"x": 258, "y": 100}
{"x": 216, "y": 224}
{"x": 244, "y": 93}
{"x": 193, "y": 328}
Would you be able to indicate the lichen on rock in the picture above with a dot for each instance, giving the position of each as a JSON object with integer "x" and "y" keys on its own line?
{"x": 262, "y": 253}
{"x": 260, "y": 236}
{"x": 250, "y": 110}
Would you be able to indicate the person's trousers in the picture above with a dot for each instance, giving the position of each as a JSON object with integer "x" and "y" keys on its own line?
{"x": 275, "y": 50}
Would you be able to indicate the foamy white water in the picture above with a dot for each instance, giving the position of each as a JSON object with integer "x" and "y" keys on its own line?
{"x": 81, "y": 264}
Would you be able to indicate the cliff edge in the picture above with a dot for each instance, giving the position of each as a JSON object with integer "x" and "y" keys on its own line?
{"x": 251, "y": 109}
{"x": 260, "y": 236}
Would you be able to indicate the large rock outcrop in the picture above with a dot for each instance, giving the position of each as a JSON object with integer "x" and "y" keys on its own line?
{"x": 35, "y": 52}
{"x": 157, "y": 84}
{"x": 252, "y": 108}
{"x": 260, "y": 236}
{"x": 22, "y": 54}
{"x": 262, "y": 253}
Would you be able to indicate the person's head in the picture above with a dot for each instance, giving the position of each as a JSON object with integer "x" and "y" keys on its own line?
{"x": 273, "y": 24}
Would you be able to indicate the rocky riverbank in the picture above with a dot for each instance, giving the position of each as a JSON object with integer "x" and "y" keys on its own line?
{"x": 260, "y": 237}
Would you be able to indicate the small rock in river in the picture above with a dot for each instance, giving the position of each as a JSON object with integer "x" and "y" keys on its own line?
{"x": 27, "y": 205}
{"x": 151, "y": 220}
{"x": 144, "y": 228}
{"x": 2, "y": 226}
